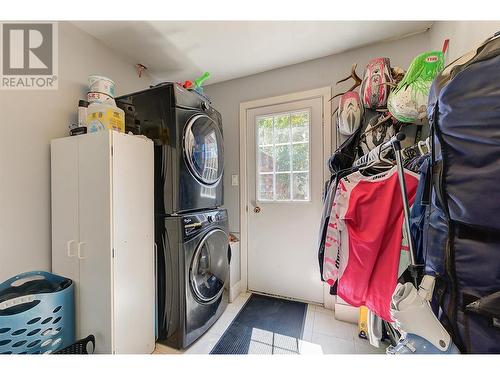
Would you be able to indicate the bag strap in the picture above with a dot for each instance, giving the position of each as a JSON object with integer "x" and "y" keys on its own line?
{"x": 429, "y": 178}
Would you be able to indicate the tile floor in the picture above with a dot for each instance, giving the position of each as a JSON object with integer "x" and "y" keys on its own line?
{"x": 323, "y": 334}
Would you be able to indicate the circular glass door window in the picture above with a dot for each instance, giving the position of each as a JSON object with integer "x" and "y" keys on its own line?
{"x": 203, "y": 149}
{"x": 209, "y": 268}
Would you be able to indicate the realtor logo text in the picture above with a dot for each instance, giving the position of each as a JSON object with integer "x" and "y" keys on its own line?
{"x": 29, "y": 56}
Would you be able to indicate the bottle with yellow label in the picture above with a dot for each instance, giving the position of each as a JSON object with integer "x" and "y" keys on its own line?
{"x": 102, "y": 116}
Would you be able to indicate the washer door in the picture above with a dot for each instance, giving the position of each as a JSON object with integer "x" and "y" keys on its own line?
{"x": 209, "y": 267}
{"x": 203, "y": 149}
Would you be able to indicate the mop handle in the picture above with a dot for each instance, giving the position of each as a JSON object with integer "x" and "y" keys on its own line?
{"x": 396, "y": 144}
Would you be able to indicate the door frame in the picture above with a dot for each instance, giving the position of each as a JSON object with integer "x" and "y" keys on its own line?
{"x": 325, "y": 94}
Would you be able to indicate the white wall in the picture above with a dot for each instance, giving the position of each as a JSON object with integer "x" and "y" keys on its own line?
{"x": 28, "y": 121}
{"x": 463, "y": 35}
{"x": 227, "y": 96}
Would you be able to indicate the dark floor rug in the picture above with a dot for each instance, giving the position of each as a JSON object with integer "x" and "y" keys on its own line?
{"x": 265, "y": 325}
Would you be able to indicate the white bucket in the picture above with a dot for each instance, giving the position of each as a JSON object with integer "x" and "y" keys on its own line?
{"x": 102, "y": 84}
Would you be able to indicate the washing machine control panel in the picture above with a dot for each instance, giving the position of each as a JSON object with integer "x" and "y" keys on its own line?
{"x": 196, "y": 222}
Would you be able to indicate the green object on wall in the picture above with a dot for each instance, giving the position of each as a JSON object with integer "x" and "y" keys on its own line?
{"x": 198, "y": 82}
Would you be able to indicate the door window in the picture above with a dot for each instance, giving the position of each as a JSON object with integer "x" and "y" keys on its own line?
{"x": 283, "y": 156}
{"x": 209, "y": 266}
{"x": 204, "y": 150}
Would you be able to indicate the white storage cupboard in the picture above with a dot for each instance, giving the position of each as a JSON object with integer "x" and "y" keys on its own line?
{"x": 103, "y": 236}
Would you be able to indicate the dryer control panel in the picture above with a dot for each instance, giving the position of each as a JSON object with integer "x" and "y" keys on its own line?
{"x": 194, "y": 223}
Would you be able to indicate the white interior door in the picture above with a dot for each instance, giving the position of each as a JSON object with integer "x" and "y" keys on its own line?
{"x": 65, "y": 227}
{"x": 133, "y": 227}
{"x": 64, "y": 189}
{"x": 284, "y": 188}
{"x": 94, "y": 248}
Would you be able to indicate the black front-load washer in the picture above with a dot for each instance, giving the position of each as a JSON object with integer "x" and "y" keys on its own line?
{"x": 193, "y": 258}
{"x": 189, "y": 151}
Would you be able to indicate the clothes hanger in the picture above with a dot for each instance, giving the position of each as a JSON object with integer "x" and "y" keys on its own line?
{"x": 428, "y": 143}
{"x": 380, "y": 161}
{"x": 381, "y": 165}
{"x": 420, "y": 146}
{"x": 418, "y": 149}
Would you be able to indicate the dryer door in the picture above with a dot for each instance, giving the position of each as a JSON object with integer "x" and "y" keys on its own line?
{"x": 209, "y": 267}
{"x": 203, "y": 149}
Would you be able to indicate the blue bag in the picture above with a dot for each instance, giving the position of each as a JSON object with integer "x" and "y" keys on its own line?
{"x": 462, "y": 233}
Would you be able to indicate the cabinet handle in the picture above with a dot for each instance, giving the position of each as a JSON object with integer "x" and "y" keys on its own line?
{"x": 68, "y": 248}
{"x": 79, "y": 250}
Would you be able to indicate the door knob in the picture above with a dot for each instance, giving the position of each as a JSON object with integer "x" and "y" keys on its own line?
{"x": 256, "y": 209}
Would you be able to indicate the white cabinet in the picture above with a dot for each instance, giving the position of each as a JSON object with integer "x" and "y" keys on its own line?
{"x": 103, "y": 236}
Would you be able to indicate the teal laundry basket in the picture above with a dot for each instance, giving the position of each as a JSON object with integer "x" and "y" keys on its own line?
{"x": 37, "y": 313}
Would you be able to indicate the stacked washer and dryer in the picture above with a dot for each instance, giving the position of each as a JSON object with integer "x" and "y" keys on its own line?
{"x": 191, "y": 230}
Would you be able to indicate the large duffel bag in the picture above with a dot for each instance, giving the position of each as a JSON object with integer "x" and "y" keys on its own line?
{"x": 463, "y": 222}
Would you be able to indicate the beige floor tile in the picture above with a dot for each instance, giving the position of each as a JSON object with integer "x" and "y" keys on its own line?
{"x": 321, "y": 309}
{"x": 311, "y": 309}
{"x": 333, "y": 345}
{"x": 307, "y": 347}
{"x": 364, "y": 347}
{"x": 308, "y": 324}
{"x": 326, "y": 324}
{"x": 355, "y": 332}
{"x": 307, "y": 335}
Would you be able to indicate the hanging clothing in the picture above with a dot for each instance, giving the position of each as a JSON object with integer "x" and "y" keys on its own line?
{"x": 329, "y": 194}
{"x": 339, "y": 164}
{"x": 376, "y": 134}
{"x": 363, "y": 240}
{"x": 417, "y": 213}
{"x": 325, "y": 223}
{"x": 414, "y": 164}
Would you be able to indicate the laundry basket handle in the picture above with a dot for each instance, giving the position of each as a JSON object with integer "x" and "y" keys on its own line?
{"x": 31, "y": 299}
{"x": 18, "y": 281}
{"x": 24, "y": 279}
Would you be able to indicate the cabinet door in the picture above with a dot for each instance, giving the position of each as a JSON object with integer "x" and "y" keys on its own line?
{"x": 64, "y": 190}
{"x": 133, "y": 227}
{"x": 94, "y": 253}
